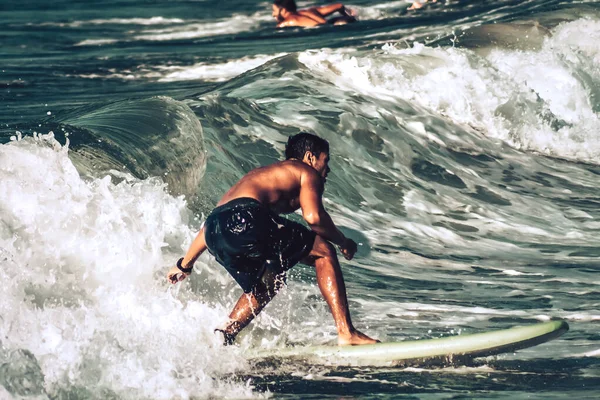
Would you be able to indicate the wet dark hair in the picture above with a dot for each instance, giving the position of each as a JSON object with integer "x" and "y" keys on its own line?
{"x": 289, "y": 5}
{"x": 299, "y": 144}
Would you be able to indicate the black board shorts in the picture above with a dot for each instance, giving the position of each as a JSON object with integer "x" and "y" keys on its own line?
{"x": 246, "y": 237}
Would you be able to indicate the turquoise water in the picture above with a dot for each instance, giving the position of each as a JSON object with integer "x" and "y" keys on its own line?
{"x": 465, "y": 156}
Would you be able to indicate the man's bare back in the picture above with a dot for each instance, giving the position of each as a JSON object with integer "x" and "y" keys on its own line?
{"x": 277, "y": 186}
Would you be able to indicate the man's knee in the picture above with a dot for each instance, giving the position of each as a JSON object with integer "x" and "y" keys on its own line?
{"x": 323, "y": 249}
{"x": 269, "y": 283}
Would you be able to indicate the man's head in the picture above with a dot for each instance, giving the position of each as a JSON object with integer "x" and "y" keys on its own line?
{"x": 299, "y": 144}
{"x": 311, "y": 150}
{"x": 289, "y": 5}
{"x": 282, "y": 8}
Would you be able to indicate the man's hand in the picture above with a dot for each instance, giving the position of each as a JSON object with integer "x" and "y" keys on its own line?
{"x": 348, "y": 249}
{"x": 175, "y": 275}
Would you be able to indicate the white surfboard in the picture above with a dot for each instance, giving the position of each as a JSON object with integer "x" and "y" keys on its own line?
{"x": 447, "y": 350}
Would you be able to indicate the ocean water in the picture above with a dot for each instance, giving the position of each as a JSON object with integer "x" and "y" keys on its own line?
{"x": 465, "y": 161}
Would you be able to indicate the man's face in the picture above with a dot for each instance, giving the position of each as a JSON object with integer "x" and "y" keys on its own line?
{"x": 277, "y": 13}
{"x": 321, "y": 164}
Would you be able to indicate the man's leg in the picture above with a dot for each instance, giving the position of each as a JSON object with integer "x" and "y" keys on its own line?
{"x": 251, "y": 304}
{"x": 331, "y": 283}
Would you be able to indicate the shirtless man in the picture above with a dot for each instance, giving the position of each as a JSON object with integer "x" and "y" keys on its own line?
{"x": 256, "y": 246}
{"x": 287, "y": 14}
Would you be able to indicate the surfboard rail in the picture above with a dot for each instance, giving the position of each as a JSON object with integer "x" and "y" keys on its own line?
{"x": 446, "y": 349}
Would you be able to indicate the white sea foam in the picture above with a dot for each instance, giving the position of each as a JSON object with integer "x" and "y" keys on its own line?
{"x": 583, "y": 317}
{"x": 511, "y": 272}
{"x": 235, "y": 24}
{"x": 212, "y": 72}
{"x": 593, "y": 353}
{"x": 537, "y": 100}
{"x": 189, "y": 29}
{"x": 483, "y": 369}
{"x": 83, "y": 266}
{"x": 454, "y": 315}
{"x": 380, "y": 11}
{"x": 96, "y": 42}
{"x": 208, "y": 72}
{"x": 116, "y": 21}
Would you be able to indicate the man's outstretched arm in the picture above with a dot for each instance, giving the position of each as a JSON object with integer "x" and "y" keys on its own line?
{"x": 197, "y": 247}
{"x": 314, "y": 213}
{"x": 331, "y": 8}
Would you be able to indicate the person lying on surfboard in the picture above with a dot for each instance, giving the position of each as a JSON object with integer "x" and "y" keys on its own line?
{"x": 287, "y": 14}
{"x": 246, "y": 234}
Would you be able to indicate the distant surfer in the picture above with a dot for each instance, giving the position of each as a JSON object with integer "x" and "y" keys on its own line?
{"x": 247, "y": 235}
{"x": 419, "y": 4}
{"x": 287, "y": 14}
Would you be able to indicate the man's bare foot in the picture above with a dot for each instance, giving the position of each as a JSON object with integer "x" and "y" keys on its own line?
{"x": 355, "y": 338}
{"x": 228, "y": 338}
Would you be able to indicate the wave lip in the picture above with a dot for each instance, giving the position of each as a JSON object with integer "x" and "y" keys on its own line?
{"x": 153, "y": 137}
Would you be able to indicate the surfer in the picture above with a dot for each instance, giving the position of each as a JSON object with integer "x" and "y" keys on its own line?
{"x": 246, "y": 234}
{"x": 419, "y": 4}
{"x": 287, "y": 14}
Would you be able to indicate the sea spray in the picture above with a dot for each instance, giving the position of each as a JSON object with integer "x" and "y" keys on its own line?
{"x": 540, "y": 100}
{"x": 85, "y": 305}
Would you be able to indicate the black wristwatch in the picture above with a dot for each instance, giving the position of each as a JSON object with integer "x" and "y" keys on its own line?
{"x": 182, "y": 269}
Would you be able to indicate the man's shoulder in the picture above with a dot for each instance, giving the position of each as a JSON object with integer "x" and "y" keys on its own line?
{"x": 296, "y": 166}
{"x": 291, "y": 164}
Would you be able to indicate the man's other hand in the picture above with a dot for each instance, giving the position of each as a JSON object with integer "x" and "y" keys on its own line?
{"x": 175, "y": 275}
{"x": 348, "y": 249}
